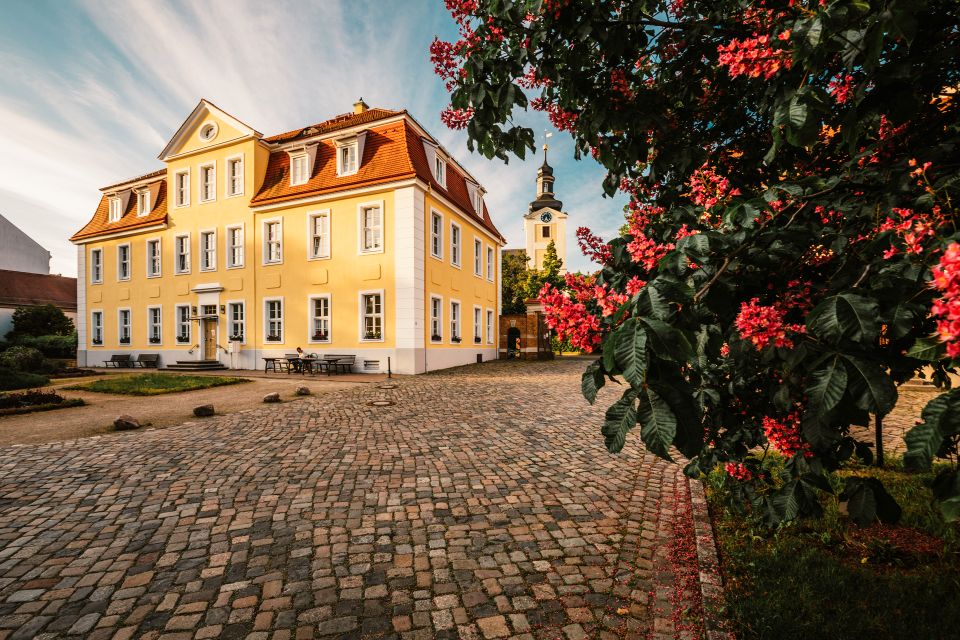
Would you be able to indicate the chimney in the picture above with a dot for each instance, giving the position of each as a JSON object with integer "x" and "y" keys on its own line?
{"x": 360, "y": 106}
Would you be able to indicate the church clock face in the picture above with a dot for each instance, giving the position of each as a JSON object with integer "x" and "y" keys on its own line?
{"x": 546, "y": 216}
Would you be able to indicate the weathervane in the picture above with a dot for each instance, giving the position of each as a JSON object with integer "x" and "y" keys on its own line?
{"x": 546, "y": 134}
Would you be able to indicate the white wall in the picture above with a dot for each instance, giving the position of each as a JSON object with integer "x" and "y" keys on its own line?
{"x": 19, "y": 252}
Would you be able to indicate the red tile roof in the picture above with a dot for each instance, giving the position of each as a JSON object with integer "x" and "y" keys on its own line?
{"x": 18, "y": 288}
{"x": 342, "y": 121}
{"x": 129, "y": 219}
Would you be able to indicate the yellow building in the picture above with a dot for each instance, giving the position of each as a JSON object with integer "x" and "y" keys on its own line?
{"x": 359, "y": 235}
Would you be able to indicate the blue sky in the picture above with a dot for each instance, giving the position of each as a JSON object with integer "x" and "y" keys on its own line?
{"x": 91, "y": 91}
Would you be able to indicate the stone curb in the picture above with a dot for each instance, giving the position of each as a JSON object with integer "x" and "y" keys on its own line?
{"x": 711, "y": 581}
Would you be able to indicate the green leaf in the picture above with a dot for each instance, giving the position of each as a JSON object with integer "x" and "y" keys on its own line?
{"x": 946, "y": 490}
{"x": 620, "y": 418}
{"x": 630, "y": 340}
{"x": 666, "y": 342}
{"x": 868, "y": 501}
{"x": 929, "y": 349}
{"x": 829, "y": 384}
{"x": 941, "y": 418}
{"x": 592, "y": 381}
{"x": 871, "y": 388}
{"x": 658, "y": 424}
{"x": 845, "y": 316}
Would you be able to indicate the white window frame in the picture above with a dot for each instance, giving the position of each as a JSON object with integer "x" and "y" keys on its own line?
{"x": 203, "y": 251}
{"x": 228, "y": 179}
{"x": 266, "y": 241}
{"x": 491, "y": 252}
{"x": 477, "y": 257}
{"x": 176, "y": 254}
{"x": 436, "y": 235}
{"x": 361, "y": 229}
{"x": 440, "y": 170}
{"x": 490, "y": 320}
{"x": 96, "y": 266}
{"x": 295, "y": 159}
{"x": 267, "y": 321}
{"x": 477, "y": 324}
{"x": 321, "y": 254}
{"x": 436, "y": 321}
{"x": 129, "y": 262}
{"x": 116, "y": 209}
{"x": 361, "y": 298}
{"x": 456, "y": 244}
{"x": 312, "y": 317}
{"x": 96, "y": 327}
{"x": 478, "y": 202}
{"x": 179, "y": 324}
{"x": 151, "y": 272}
{"x": 213, "y": 182}
{"x": 181, "y": 194}
{"x": 120, "y": 326}
{"x": 231, "y": 264}
{"x": 143, "y": 202}
{"x": 231, "y": 322}
{"x": 150, "y": 324}
{"x": 342, "y": 147}
{"x": 456, "y": 321}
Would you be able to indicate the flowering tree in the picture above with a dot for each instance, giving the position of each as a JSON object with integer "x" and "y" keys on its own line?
{"x": 790, "y": 254}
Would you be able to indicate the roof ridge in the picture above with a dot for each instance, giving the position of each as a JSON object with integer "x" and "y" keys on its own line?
{"x": 153, "y": 174}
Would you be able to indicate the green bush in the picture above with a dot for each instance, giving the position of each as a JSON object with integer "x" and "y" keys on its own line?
{"x": 39, "y": 320}
{"x": 52, "y": 346}
{"x": 11, "y": 380}
{"x": 21, "y": 358}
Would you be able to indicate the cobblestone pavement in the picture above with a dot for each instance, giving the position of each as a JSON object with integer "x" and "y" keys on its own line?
{"x": 481, "y": 504}
{"x": 911, "y": 399}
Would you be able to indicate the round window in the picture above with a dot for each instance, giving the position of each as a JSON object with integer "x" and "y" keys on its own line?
{"x": 208, "y": 131}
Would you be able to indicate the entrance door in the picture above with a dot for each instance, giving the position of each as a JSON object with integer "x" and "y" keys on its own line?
{"x": 209, "y": 339}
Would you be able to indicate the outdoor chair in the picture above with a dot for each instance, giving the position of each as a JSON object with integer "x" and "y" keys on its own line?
{"x": 147, "y": 360}
{"x": 119, "y": 360}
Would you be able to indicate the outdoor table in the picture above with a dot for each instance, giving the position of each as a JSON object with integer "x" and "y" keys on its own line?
{"x": 270, "y": 363}
{"x": 307, "y": 364}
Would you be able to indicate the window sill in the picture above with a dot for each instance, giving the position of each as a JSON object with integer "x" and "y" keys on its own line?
{"x": 315, "y": 258}
{"x": 365, "y": 252}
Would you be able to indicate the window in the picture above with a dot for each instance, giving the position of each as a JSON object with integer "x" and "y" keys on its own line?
{"x": 272, "y": 242}
{"x": 347, "y": 159}
{"x": 454, "y": 244}
{"x": 440, "y": 169}
{"x": 436, "y": 318}
{"x": 208, "y": 251}
{"x": 236, "y": 317}
{"x": 183, "y": 324}
{"x": 436, "y": 235}
{"x": 115, "y": 210}
{"x": 123, "y": 262}
{"x": 154, "y": 324}
{"x": 371, "y": 219}
{"x": 273, "y": 310}
{"x": 477, "y": 324}
{"x": 477, "y": 258}
{"x": 235, "y": 176}
{"x": 234, "y": 247}
{"x": 298, "y": 169}
{"x": 96, "y": 327}
{"x": 208, "y": 131}
{"x": 319, "y": 235}
{"x": 96, "y": 266}
{"x": 181, "y": 188}
{"x": 123, "y": 326}
{"x": 181, "y": 247}
{"x": 454, "y": 321}
{"x": 490, "y": 264}
{"x": 143, "y": 202}
{"x": 372, "y": 310}
{"x": 489, "y": 326}
{"x": 478, "y": 202}
{"x": 545, "y": 231}
{"x": 320, "y": 318}
{"x": 208, "y": 183}
{"x": 153, "y": 258}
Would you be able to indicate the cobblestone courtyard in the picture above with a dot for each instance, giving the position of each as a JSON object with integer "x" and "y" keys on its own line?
{"x": 480, "y": 504}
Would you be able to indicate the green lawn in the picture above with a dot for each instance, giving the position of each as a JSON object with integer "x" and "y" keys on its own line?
{"x": 153, "y": 384}
{"x": 829, "y": 579}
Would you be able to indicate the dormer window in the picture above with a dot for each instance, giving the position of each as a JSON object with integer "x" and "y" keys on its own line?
{"x": 115, "y": 209}
{"x": 298, "y": 169}
{"x": 347, "y": 158}
{"x": 440, "y": 170}
{"x": 478, "y": 202}
{"x": 143, "y": 202}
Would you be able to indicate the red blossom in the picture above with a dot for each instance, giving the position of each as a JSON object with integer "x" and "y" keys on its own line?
{"x": 946, "y": 309}
{"x": 755, "y": 57}
{"x": 569, "y": 319}
{"x": 784, "y": 435}
{"x": 764, "y": 325}
{"x": 841, "y": 87}
{"x": 634, "y": 285}
{"x": 456, "y": 118}
{"x": 559, "y": 117}
{"x": 593, "y": 246}
{"x": 738, "y": 471}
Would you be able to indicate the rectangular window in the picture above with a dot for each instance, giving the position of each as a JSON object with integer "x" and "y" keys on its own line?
{"x": 440, "y": 168}
{"x": 208, "y": 251}
{"x": 347, "y": 159}
{"x": 436, "y": 319}
{"x": 298, "y": 170}
{"x": 181, "y": 188}
{"x": 181, "y": 247}
{"x": 478, "y": 202}
{"x": 123, "y": 262}
{"x": 454, "y": 321}
{"x": 183, "y": 324}
{"x": 143, "y": 202}
{"x": 272, "y": 242}
{"x": 489, "y": 326}
{"x": 208, "y": 182}
{"x": 96, "y": 266}
{"x": 545, "y": 231}
{"x": 477, "y": 258}
{"x": 153, "y": 258}
{"x": 490, "y": 264}
{"x": 236, "y": 316}
{"x": 235, "y": 176}
{"x": 96, "y": 327}
{"x": 455, "y": 244}
{"x": 123, "y": 326}
{"x": 436, "y": 235}
{"x": 273, "y": 310}
{"x": 372, "y": 233}
{"x": 115, "y": 211}
{"x": 320, "y": 235}
{"x": 372, "y": 305}
{"x": 477, "y": 324}
{"x": 155, "y": 324}
{"x": 234, "y": 246}
{"x": 320, "y": 319}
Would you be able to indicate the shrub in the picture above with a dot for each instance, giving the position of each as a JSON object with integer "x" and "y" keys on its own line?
{"x": 39, "y": 320}
{"x": 11, "y": 380}
{"x": 52, "y": 346}
{"x": 22, "y": 358}
{"x": 29, "y": 399}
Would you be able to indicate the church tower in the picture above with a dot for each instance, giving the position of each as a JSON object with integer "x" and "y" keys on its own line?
{"x": 545, "y": 220}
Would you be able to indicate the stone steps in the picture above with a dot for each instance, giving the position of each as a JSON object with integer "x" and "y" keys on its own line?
{"x": 196, "y": 365}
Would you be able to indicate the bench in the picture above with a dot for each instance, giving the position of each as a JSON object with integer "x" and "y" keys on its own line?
{"x": 119, "y": 360}
{"x": 334, "y": 363}
{"x": 147, "y": 360}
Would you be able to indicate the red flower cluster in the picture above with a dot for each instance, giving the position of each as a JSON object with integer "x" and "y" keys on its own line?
{"x": 593, "y": 246}
{"x": 582, "y": 286}
{"x": 755, "y": 57}
{"x": 738, "y": 471}
{"x": 946, "y": 279}
{"x": 784, "y": 435}
{"x": 764, "y": 325}
{"x": 443, "y": 55}
{"x": 608, "y": 300}
{"x": 708, "y": 188}
{"x": 559, "y": 117}
{"x": 620, "y": 85}
{"x": 634, "y": 285}
{"x": 841, "y": 87}
{"x": 912, "y": 228}
{"x": 645, "y": 251}
{"x": 569, "y": 319}
{"x": 456, "y": 118}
